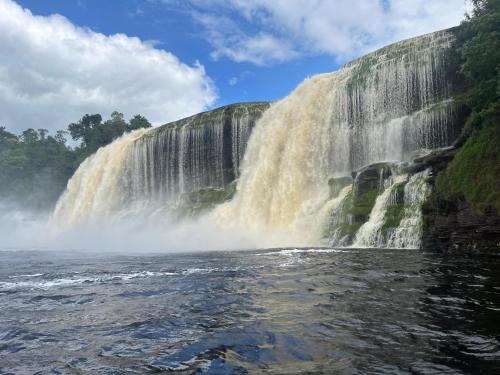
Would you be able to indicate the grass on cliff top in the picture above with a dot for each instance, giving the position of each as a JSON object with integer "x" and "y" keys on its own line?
{"x": 475, "y": 170}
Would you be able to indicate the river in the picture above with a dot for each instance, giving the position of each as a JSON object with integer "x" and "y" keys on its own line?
{"x": 280, "y": 311}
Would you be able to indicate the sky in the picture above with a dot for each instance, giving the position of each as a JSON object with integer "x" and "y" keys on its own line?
{"x": 168, "y": 59}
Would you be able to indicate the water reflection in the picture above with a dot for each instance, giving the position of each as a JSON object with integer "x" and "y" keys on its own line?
{"x": 464, "y": 303}
{"x": 285, "y": 311}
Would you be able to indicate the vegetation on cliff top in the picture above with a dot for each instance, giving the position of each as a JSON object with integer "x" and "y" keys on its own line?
{"x": 35, "y": 166}
{"x": 474, "y": 172}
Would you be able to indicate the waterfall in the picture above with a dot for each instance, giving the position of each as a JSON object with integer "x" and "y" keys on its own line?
{"x": 370, "y": 233}
{"x": 387, "y": 106}
{"x": 384, "y": 106}
{"x": 311, "y": 220}
{"x": 198, "y": 152}
{"x": 150, "y": 170}
{"x": 409, "y": 232}
{"x": 97, "y": 187}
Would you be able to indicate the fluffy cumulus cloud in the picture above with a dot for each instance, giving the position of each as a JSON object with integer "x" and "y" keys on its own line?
{"x": 270, "y": 32}
{"x": 52, "y": 72}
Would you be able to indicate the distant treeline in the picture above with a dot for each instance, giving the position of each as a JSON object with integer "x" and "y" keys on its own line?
{"x": 35, "y": 166}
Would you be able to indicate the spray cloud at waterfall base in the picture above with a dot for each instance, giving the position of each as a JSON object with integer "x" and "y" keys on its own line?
{"x": 327, "y": 165}
{"x": 21, "y": 230}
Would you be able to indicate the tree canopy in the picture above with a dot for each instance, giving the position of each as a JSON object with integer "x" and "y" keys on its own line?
{"x": 94, "y": 133}
{"x": 35, "y": 166}
{"x": 478, "y": 41}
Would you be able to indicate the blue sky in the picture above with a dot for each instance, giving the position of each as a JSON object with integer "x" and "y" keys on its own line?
{"x": 173, "y": 58}
{"x": 175, "y": 31}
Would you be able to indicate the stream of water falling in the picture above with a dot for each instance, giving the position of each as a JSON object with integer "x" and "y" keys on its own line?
{"x": 95, "y": 190}
{"x": 387, "y": 105}
{"x": 378, "y": 108}
{"x": 370, "y": 235}
{"x": 409, "y": 232}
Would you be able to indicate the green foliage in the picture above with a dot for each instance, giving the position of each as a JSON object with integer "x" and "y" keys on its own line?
{"x": 362, "y": 205}
{"x": 474, "y": 172}
{"x": 357, "y": 207}
{"x": 94, "y": 133}
{"x": 35, "y": 166}
{"x": 6, "y": 139}
{"x": 478, "y": 42}
{"x": 395, "y": 212}
{"x": 84, "y": 128}
{"x": 138, "y": 122}
{"x": 393, "y": 216}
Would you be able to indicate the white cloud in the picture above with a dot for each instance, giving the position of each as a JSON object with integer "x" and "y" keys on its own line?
{"x": 281, "y": 30}
{"x": 230, "y": 41}
{"x": 52, "y": 72}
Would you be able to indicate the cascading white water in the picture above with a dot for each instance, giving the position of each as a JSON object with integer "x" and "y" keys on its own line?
{"x": 97, "y": 187}
{"x": 150, "y": 169}
{"x": 409, "y": 232}
{"x": 384, "y": 106}
{"x": 287, "y": 162}
{"x": 313, "y": 217}
{"x": 370, "y": 233}
{"x": 201, "y": 151}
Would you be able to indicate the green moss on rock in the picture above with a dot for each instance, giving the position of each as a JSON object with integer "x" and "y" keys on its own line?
{"x": 474, "y": 172}
{"x": 203, "y": 200}
{"x": 354, "y": 214}
{"x": 393, "y": 217}
{"x": 395, "y": 212}
{"x": 362, "y": 204}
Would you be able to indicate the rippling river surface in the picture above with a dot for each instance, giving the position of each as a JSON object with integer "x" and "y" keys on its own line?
{"x": 284, "y": 311}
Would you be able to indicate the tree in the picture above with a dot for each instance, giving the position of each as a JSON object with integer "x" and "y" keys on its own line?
{"x": 82, "y": 130}
{"x": 29, "y": 136}
{"x": 482, "y": 7}
{"x": 138, "y": 122}
{"x": 4, "y": 134}
{"x": 42, "y": 133}
{"x": 479, "y": 40}
{"x": 114, "y": 127}
{"x": 61, "y": 136}
{"x": 35, "y": 166}
{"x": 473, "y": 172}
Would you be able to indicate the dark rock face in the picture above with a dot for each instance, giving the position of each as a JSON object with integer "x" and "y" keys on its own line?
{"x": 367, "y": 183}
{"x": 370, "y": 178}
{"x": 204, "y": 151}
{"x": 437, "y": 160}
{"x": 456, "y": 225}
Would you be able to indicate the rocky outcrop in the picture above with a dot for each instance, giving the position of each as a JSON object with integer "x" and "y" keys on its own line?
{"x": 367, "y": 183}
{"x": 456, "y": 225}
{"x": 453, "y": 223}
{"x": 437, "y": 160}
{"x": 371, "y": 177}
{"x": 204, "y": 151}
